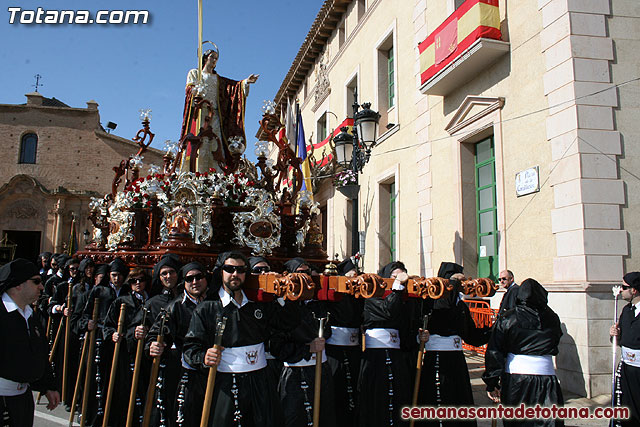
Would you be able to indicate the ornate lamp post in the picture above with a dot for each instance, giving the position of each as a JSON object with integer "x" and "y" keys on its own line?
{"x": 353, "y": 152}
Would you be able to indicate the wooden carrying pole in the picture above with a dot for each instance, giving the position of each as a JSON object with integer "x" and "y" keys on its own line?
{"x": 318, "y": 380}
{"x": 52, "y": 354}
{"x": 136, "y": 375}
{"x": 81, "y": 366}
{"x": 67, "y": 340}
{"x": 155, "y": 367}
{"x": 211, "y": 380}
{"x": 114, "y": 366}
{"x": 89, "y": 368}
{"x": 416, "y": 384}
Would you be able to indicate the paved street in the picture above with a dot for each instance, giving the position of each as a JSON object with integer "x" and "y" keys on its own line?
{"x": 46, "y": 418}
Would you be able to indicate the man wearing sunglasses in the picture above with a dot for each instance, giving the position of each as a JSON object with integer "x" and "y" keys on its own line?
{"x": 24, "y": 352}
{"x": 244, "y": 393}
{"x": 628, "y": 332}
{"x": 511, "y": 291}
{"x": 179, "y": 380}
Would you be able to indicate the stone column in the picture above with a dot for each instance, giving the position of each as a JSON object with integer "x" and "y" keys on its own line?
{"x": 58, "y": 212}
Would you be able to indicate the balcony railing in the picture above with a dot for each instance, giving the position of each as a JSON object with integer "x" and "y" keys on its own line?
{"x": 461, "y": 46}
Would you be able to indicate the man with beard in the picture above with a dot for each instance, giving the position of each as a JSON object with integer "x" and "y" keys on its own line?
{"x": 24, "y": 355}
{"x": 243, "y": 393}
{"x": 106, "y": 291}
{"x": 344, "y": 349}
{"x": 175, "y": 403}
{"x": 519, "y": 365}
{"x": 138, "y": 281}
{"x": 628, "y": 332}
{"x": 298, "y": 349}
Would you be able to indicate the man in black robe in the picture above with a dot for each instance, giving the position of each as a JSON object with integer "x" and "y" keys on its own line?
{"x": 243, "y": 393}
{"x": 384, "y": 379}
{"x": 518, "y": 362}
{"x": 343, "y": 348}
{"x": 134, "y": 330}
{"x": 507, "y": 283}
{"x": 111, "y": 287}
{"x": 24, "y": 356}
{"x": 445, "y": 377}
{"x": 298, "y": 349}
{"x": 628, "y": 332}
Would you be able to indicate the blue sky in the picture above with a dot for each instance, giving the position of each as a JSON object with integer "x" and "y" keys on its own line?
{"x": 129, "y": 67}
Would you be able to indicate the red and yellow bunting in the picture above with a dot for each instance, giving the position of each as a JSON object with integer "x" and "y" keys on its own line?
{"x": 473, "y": 20}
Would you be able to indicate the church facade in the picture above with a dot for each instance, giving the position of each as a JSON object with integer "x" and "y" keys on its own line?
{"x": 55, "y": 158}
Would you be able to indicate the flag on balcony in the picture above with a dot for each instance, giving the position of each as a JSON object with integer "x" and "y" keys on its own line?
{"x": 290, "y": 125}
{"x": 323, "y": 146}
{"x": 473, "y": 20}
{"x": 302, "y": 153}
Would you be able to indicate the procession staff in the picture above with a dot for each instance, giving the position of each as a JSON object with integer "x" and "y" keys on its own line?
{"x": 23, "y": 355}
{"x": 137, "y": 368}
{"x": 519, "y": 365}
{"x": 445, "y": 377}
{"x": 114, "y": 368}
{"x": 243, "y": 393}
{"x": 87, "y": 348}
{"x": 344, "y": 350}
{"x": 627, "y": 330}
{"x": 384, "y": 377}
{"x": 107, "y": 290}
{"x": 168, "y": 400}
{"x": 298, "y": 350}
{"x": 89, "y": 366}
{"x": 132, "y": 332}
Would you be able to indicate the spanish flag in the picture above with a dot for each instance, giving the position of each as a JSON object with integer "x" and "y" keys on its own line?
{"x": 473, "y": 20}
{"x": 327, "y": 154}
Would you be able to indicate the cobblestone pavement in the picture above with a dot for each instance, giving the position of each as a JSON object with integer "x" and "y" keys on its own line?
{"x": 59, "y": 416}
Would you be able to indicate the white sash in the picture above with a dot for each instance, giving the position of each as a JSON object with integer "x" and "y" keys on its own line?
{"x": 310, "y": 362}
{"x": 346, "y": 337}
{"x": 526, "y": 364}
{"x": 631, "y": 357}
{"x": 12, "y": 388}
{"x": 243, "y": 359}
{"x": 439, "y": 343}
{"x": 382, "y": 338}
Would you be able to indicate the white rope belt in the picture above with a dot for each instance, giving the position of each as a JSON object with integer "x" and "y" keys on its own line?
{"x": 346, "y": 337}
{"x": 526, "y": 364}
{"x": 12, "y": 388}
{"x": 382, "y": 338}
{"x": 310, "y": 362}
{"x": 439, "y": 343}
{"x": 631, "y": 356}
{"x": 243, "y": 359}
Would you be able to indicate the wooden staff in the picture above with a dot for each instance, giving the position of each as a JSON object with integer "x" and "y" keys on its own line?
{"x": 155, "y": 367}
{"x": 136, "y": 374}
{"x": 89, "y": 369}
{"x": 48, "y": 327}
{"x": 208, "y": 397}
{"x": 81, "y": 370}
{"x": 416, "y": 384}
{"x": 318, "y": 380}
{"x": 67, "y": 333}
{"x": 614, "y": 344}
{"x": 114, "y": 366}
{"x": 52, "y": 354}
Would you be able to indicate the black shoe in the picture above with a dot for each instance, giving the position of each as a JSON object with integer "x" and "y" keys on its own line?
{"x": 67, "y": 408}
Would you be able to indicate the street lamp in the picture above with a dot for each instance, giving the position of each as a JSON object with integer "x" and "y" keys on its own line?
{"x": 354, "y": 150}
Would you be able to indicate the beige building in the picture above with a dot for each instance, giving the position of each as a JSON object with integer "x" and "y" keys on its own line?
{"x": 55, "y": 159}
{"x": 505, "y": 141}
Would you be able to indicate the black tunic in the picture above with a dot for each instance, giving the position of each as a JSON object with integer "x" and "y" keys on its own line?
{"x": 628, "y": 376}
{"x": 179, "y": 311}
{"x": 249, "y": 325}
{"x": 133, "y": 314}
{"x": 445, "y": 377}
{"x": 24, "y": 358}
{"x": 296, "y": 384}
{"x": 531, "y": 328}
{"x": 508, "y": 299}
{"x": 345, "y": 360}
{"x": 384, "y": 385}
